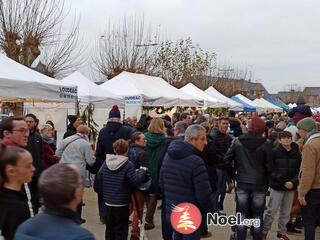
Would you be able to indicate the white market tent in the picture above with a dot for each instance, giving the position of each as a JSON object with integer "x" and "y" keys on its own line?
{"x": 267, "y": 105}
{"x": 154, "y": 90}
{"x": 292, "y": 105}
{"x": 259, "y": 109}
{"x": 233, "y": 105}
{"x": 20, "y": 83}
{"x": 209, "y": 101}
{"x": 89, "y": 92}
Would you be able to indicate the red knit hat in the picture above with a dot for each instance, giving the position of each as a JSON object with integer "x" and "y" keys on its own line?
{"x": 257, "y": 125}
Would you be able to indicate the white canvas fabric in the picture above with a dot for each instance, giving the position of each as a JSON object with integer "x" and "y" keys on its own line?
{"x": 267, "y": 105}
{"x": 232, "y": 105}
{"x": 209, "y": 101}
{"x": 89, "y": 92}
{"x": 19, "y": 82}
{"x": 154, "y": 90}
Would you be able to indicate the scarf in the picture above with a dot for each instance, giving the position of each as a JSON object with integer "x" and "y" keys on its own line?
{"x": 46, "y": 139}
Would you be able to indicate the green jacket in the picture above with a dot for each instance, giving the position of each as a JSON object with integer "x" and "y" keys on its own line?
{"x": 156, "y": 149}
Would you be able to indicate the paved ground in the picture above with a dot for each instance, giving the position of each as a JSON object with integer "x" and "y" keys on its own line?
{"x": 90, "y": 213}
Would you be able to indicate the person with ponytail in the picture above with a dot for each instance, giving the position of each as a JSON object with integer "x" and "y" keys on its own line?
{"x": 16, "y": 170}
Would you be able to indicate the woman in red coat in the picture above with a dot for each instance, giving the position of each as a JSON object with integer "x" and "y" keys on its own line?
{"x": 49, "y": 146}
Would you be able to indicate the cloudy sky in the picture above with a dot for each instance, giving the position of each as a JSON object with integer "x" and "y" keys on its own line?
{"x": 278, "y": 39}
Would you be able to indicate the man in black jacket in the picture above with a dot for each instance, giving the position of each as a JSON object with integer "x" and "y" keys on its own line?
{"x": 283, "y": 183}
{"x": 218, "y": 145}
{"x": 248, "y": 162}
{"x": 35, "y": 147}
{"x": 113, "y": 131}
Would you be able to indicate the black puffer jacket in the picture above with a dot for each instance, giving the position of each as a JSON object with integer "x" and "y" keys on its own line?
{"x": 285, "y": 167}
{"x": 219, "y": 146}
{"x": 249, "y": 159}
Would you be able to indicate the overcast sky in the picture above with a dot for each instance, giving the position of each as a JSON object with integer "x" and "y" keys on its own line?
{"x": 278, "y": 39}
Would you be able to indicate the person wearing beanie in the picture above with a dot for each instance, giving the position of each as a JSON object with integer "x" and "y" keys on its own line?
{"x": 301, "y": 111}
{"x": 108, "y": 135}
{"x": 114, "y": 114}
{"x": 309, "y": 186}
{"x": 248, "y": 161}
{"x": 74, "y": 122}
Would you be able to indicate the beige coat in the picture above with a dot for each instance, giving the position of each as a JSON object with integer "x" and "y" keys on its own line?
{"x": 310, "y": 166}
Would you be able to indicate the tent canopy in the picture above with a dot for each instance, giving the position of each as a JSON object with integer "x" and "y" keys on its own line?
{"x": 267, "y": 105}
{"x": 233, "y": 105}
{"x": 89, "y": 92}
{"x": 20, "y": 83}
{"x": 277, "y": 102}
{"x": 154, "y": 90}
{"x": 246, "y": 107}
{"x": 209, "y": 101}
{"x": 259, "y": 109}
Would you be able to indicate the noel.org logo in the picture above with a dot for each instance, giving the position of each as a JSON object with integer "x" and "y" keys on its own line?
{"x": 185, "y": 218}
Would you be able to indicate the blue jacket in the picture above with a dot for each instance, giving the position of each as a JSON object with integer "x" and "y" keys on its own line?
{"x": 53, "y": 225}
{"x": 184, "y": 178}
{"x": 118, "y": 178}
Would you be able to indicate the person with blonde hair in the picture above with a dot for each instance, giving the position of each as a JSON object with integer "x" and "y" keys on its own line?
{"x": 49, "y": 146}
{"x": 77, "y": 150}
{"x": 156, "y": 147}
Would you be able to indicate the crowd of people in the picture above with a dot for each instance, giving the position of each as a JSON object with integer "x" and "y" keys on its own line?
{"x": 188, "y": 157}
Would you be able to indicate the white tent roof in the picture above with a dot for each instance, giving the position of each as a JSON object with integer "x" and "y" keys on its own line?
{"x": 154, "y": 90}
{"x": 292, "y": 105}
{"x": 252, "y": 103}
{"x": 208, "y": 100}
{"x": 89, "y": 92}
{"x": 20, "y": 82}
{"x": 233, "y": 105}
{"x": 267, "y": 105}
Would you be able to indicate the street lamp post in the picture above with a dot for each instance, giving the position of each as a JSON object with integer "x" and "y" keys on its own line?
{"x": 145, "y": 52}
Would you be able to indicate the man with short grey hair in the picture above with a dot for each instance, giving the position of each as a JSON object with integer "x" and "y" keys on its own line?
{"x": 61, "y": 189}
{"x": 179, "y": 129}
{"x": 184, "y": 178}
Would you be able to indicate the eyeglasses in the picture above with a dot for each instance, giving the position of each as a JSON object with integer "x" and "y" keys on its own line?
{"x": 22, "y": 130}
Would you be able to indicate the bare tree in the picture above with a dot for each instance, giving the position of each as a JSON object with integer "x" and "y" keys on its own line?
{"x": 125, "y": 47}
{"x": 182, "y": 62}
{"x": 30, "y": 27}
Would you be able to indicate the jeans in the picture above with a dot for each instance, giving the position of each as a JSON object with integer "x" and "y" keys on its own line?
{"x": 166, "y": 227}
{"x": 222, "y": 182}
{"x": 117, "y": 223}
{"x": 311, "y": 219}
{"x": 282, "y": 199}
{"x": 250, "y": 199}
{"x": 102, "y": 206}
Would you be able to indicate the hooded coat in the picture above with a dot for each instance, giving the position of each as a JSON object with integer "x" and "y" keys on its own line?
{"x": 184, "y": 177}
{"x": 155, "y": 149}
{"x": 248, "y": 160}
{"x": 118, "y": 178}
